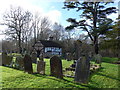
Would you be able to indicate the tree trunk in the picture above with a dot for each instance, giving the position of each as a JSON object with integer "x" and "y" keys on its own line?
{"x": 96, "y": 45}
{"x": 34, "y": 35}
{"x": 19, "y": 44}
{"x": 95, "y": 32}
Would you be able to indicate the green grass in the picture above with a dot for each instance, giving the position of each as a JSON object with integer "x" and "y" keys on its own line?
{"x": 106, "y": 77}
{"x": 109, "y": 60}
{"x": 15, "y": 54}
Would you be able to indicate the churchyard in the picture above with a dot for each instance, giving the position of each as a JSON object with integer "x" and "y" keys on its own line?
{"x": 53, "y": 73}
{"x": 42, "y": 50}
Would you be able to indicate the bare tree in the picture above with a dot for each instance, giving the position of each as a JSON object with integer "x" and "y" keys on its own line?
{"x": 15, "y": 20}
{"x": 35, "y": 24}
{"x": 27, "y": 30}
{"x": 8, "y": 46}
{"x": 41, "y": 27}
{"x": 44, "y": 25}
{"x": 58, "y": 31}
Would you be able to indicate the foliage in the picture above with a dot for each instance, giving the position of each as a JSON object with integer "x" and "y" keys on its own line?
{"x": 112, "y": 38}
{"x": 93, "y": 18}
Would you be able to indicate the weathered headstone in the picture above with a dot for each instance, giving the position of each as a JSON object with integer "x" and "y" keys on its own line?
{"x": 78, "y": 49}
{"x": 28, "y": 64}
{"x": 19, "y": 64}
{"x": 82, "y": 70}
{"x": 34, "y": 57}
{"x": 6, "y": 60}
{"x": 98, "y": 58}
{"x": 9, "y": 61}
{"x": 56, "y": 67}
{"x": 0, "y": 59}
{"x": 41, "y": 67}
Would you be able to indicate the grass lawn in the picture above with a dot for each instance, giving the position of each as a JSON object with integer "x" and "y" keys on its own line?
{"x": 106, "y": 77}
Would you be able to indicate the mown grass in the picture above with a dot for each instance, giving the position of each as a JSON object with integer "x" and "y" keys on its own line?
{"x": 109, "y": 60}
{"x": 106, "y": 77}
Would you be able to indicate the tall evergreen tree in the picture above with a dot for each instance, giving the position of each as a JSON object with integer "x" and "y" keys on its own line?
{"x": 93, "y": 17}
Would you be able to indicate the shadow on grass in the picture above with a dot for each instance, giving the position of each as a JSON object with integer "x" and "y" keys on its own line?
{"x": 95, "y": 72}
{"x": 101, "y": 69}
{"x": 65, "y": 81}
{"x": 108, "y": 76}
{"x": 40, "y": 75}
{"x": 118, "y": 79}
{"x": 12, "y": 68}
{"x": 85, "y": 85}
{"x": 119, "y": 76}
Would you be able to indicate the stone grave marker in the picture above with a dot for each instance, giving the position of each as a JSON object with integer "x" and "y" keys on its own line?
{"x": 41, "y": 67}
{"x": 98, "y": 58}
{"x": 6, "y": 60}
{"x": 9, "y": 61}
{"x": 82, "y": 70}
{"x": 19, "y": 64}
{"x": 28, "y": 64}
{"x": 1, "y": 62}
{"x": 34, "y": 57}
{"x": 56, "y": 67}
{"x": 0, "y": 59}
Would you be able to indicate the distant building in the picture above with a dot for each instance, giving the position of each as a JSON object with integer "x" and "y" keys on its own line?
{"x": 48, "y": 48}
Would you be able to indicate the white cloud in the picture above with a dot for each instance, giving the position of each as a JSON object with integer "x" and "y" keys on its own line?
{"x": 32, "y": 6}
{"x": 52, "y": 7}
{"x": 54, "y": 15}
{"x": 25, "y": 4}
{"x": 119, "y": 7}
{"x": 113, "y": 16}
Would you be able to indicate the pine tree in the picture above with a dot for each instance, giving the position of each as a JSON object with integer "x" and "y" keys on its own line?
{"x": 94, "y": 12}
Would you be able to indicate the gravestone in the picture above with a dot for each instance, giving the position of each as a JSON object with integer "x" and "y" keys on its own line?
{"x": 78, "y": 49}
{"x": 19, "y": 64}
{"x": 82, "y": 70}
{"x": 41, "y": 67}
{"x": 98, "y": 58}
{"x": 0, "y": 59}
{"x": 34, "y": 57}
{"x": 6, "y": 60}
{"x": 28, "y": 64}
{"x": 56, "y": 67}
{"x": 9, "y": 61}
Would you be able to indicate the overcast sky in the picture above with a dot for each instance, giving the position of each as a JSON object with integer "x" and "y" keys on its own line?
{"x": 51, "y": 8}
